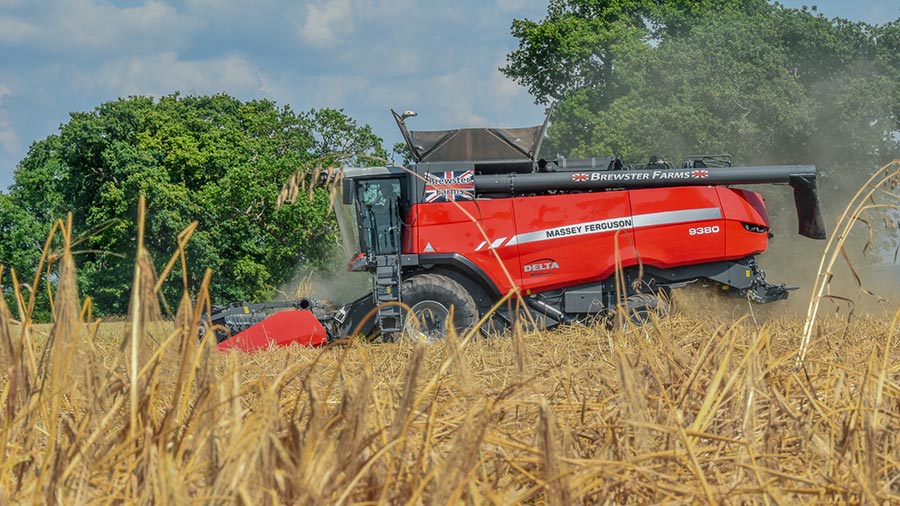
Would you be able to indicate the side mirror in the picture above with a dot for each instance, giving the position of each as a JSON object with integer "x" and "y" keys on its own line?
{"x": 347, "y": 190}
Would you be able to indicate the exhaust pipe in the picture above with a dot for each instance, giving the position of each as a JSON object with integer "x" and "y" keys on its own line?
{"x": 548, "y": 310}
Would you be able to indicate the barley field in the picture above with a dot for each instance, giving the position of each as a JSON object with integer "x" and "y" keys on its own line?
{"x": 694, "y": 408}
{"x": 718, "y": 403}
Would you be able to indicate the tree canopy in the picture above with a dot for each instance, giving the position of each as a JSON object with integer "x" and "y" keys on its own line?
{"x": 636, "y": 78}
{"x": 764, "y": 82}
{"x": 214, "y": 159}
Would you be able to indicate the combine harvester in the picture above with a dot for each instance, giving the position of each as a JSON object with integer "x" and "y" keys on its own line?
{"x": 480, "y": 215}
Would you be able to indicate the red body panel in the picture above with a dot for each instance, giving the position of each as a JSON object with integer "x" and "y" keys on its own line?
{"x": 742, "y": 206}
{"x": 665, "y": 240}
{"x": 566, "y": 240}
{"x": 444, "y": 227}
{"x": 281, "y": 329}
{"x": 555, "y": 241}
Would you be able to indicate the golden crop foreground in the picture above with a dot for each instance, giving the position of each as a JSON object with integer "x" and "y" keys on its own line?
{"x": 680, "y": 411}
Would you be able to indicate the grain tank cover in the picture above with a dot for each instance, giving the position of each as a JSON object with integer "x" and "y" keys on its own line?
{"x": 472, "y": 144}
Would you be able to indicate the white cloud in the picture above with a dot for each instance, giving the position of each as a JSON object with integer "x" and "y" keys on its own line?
{"x": 472, "y": 97}
{"x": 513, "y": 5}
{"x": 9, "y": 139}
{"x": 209, "y": 5}
{"x": 334, "y": 90}
{"x": 90, "y": 24}
{"x": 327, "y": 23}
{"x": 165, "y": 73}
{"x": 239, "y": 14}
{"x": 16, "y": 30}
{"x": 503, "y": 90}
{"x": 79, "y": 25}
{"x": 386, "y": 59}
{"x": 881, "y": 13}
{"x": 458, "y": 93}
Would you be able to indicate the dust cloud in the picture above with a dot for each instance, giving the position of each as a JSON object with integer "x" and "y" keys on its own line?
{"x": 333, "y": 284}
{"x": 794, "y": 260}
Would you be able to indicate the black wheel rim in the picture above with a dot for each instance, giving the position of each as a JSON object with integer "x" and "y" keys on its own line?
{"x": 432, "y": 318}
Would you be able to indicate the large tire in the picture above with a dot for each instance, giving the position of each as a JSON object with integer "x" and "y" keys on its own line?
{"x": 431, "y": 297}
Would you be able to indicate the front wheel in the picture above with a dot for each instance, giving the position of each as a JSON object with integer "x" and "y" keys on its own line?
{"x": 431, "y": 298}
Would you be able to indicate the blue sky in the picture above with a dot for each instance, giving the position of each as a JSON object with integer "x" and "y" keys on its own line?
{"x": 439, "y": 57}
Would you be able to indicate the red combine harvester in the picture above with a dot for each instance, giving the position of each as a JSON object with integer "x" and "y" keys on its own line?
{"x": 479, "y": 215}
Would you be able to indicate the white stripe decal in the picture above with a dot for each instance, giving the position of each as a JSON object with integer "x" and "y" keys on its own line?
{"x": 672, "y": 217}
{"x": 494, "y": 245}
{"x": 613, "y": 224}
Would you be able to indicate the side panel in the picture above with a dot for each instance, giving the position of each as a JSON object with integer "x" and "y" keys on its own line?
{"x": 444, "y": 227}
{"x": 744, "y": 207}
{"x": 554, "y": 241}
{"x": 571, "y": 239}
{"x": 678, "y": 226}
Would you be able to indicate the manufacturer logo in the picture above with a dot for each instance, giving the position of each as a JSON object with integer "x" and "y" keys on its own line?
{"x": 542, "y": 267}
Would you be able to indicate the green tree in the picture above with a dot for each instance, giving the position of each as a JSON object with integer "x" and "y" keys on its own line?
{"x": 574, "y": 47}
{"x": 335, "y": 133}
{"x": 401, "y": 150}
{"x": 214, "y": 159}
{"x": 580, "y": 42}
{"x": 21, "y": 245}
{"x": 764, "y": 82}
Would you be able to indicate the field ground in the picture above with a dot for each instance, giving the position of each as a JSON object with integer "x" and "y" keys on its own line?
{"x": 701, "y": 407}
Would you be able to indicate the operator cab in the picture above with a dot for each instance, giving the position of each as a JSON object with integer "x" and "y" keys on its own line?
{"x": 378, "y": 209}
{"x": 381, "y": 198}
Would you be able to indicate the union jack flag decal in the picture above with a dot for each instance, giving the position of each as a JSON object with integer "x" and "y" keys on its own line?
{"x": 700, "y": 173}
{"x": 449, "y": 186}
{"x": 581, "y": 176}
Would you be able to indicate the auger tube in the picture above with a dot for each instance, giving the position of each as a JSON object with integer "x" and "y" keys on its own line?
{"x": 802, "y": 178}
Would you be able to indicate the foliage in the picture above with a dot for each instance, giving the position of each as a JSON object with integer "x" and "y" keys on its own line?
{"x": 20, "y": 231}
{"x": 21, "y": 243}
{"x": 579, "y": 43}
{"x": 766, "y": 83}
{"x": 214, "y": 159}
{"x": 336, "y": 133}
{"x": 401, "y": 150}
